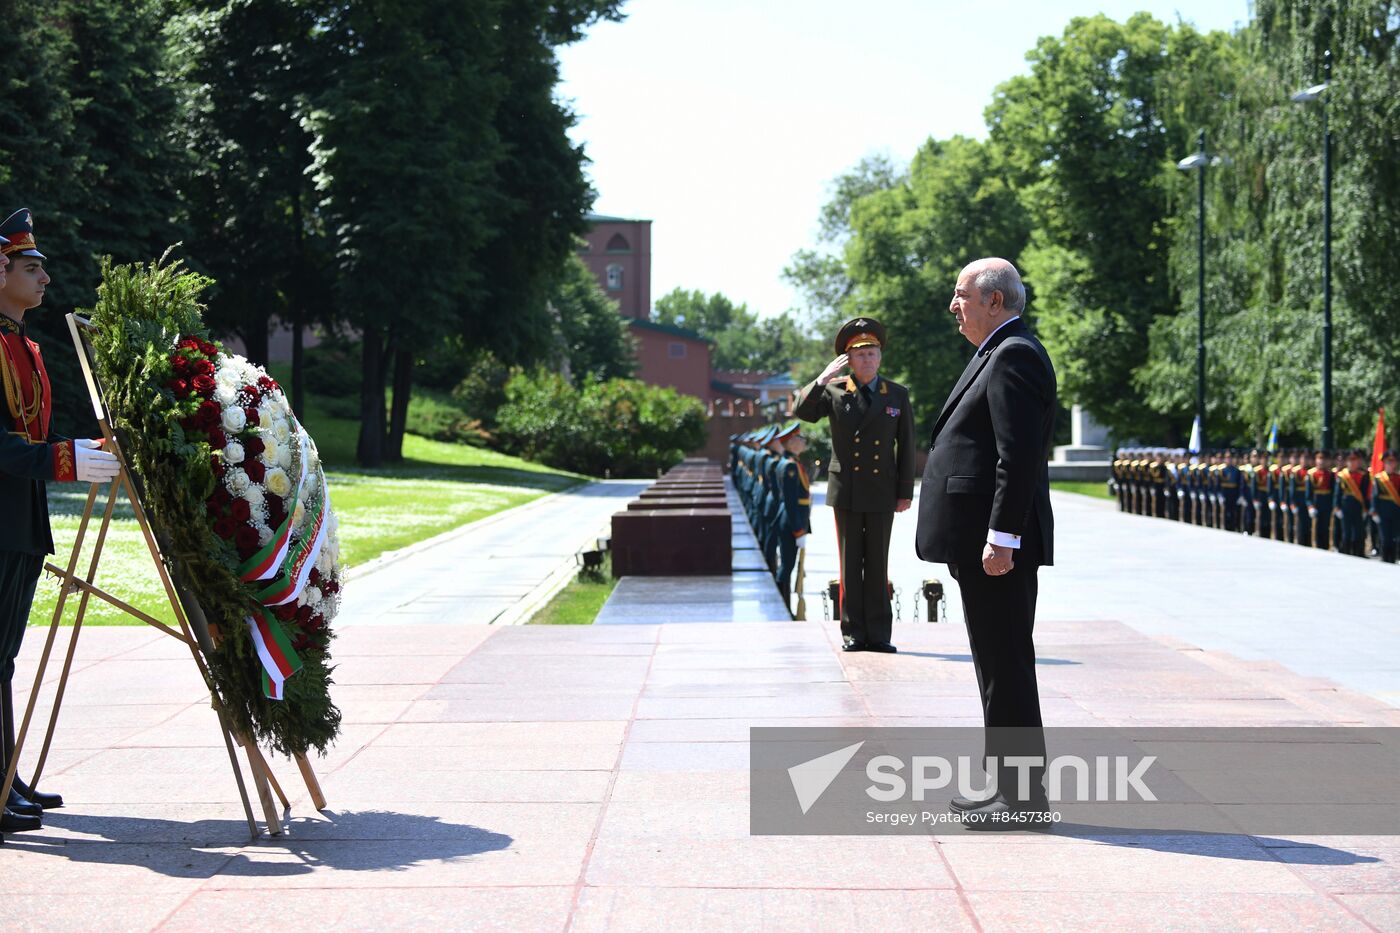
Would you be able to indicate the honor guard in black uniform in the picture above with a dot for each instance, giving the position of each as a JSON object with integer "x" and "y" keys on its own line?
{"x": 1157, "y": 477}
{"x": 871, "y": 475}
{"x": 1385, "y": 506}
{"x": 1302, "y": 523}
{"x": 795, "y": 512}
{"x": 1353, "y": 503}
{"x": 1278, "y": 499}
{"x": 30, "y": 457}
{"x": 1230, "y": 495}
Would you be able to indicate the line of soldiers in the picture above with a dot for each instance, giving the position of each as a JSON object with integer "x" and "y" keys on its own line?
{"x": 776, "y": 492}
{"x": 1300, "y": 498}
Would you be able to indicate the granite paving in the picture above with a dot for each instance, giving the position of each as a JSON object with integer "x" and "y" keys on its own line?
{"x": 595, "y": 778}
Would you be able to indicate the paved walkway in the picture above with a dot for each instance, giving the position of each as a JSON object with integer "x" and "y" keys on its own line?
{"x": 497, "y": 570}
{"x": 746, "y": 595}
{"x": 1320, "y": 614}
{"x": 572, "y": 778}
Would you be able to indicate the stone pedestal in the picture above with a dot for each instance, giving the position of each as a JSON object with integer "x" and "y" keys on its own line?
{"x": 1088, "y": 457}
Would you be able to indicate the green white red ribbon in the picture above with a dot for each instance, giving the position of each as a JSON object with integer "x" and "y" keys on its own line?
{"x": 274, "y": 648}
{"x": 267, "y": 561}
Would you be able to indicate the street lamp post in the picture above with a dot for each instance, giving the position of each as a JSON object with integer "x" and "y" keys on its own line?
{"x": 1309, "y": 95}
{"x": 1197, "y": 163}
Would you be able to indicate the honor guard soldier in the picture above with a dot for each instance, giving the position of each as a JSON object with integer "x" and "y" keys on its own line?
{"x": 1278, "y": 506}
{"x": 30, "y": 457}
{"x": 871, "y": 475}
{"x": 1118, "y": 485}
{"x": 795, "y": 513}
{"x": 1302, "y": 525}
{"x": 1230, "y": 495}
{"x": 773, "y": 498}
{"x": 1385, "y": 506}
{"x": 1157, "y": 473}
{"x": 1320, "y": 488}
{"x": 1353, "y": 504}
{"x": 1183, "y": 482}
{"x": 1171, "y": 502}
{"x": 1263, "y": 526}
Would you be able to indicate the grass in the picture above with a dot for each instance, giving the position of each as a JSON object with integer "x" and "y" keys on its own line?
{"x": 578, "y": 602}
{"x": 438, "y": 487}
{"x": 1094, "y": 490}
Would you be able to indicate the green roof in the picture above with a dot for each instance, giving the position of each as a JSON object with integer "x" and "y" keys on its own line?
{"x": 668, "y": 329}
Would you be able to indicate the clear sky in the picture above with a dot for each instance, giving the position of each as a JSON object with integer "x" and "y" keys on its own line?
{"x": 724, "y": 121}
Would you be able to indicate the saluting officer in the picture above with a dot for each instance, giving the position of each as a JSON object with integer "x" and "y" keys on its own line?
{"x": 30, "y": 456}
{"x": 870, "y": 477}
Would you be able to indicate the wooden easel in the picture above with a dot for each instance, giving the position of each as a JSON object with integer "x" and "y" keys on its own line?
{"x": 192, "y": 630}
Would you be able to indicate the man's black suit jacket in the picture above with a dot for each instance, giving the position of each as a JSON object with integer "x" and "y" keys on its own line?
{"x": 987, "y": 458}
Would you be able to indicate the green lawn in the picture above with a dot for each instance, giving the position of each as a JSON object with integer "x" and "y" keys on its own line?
{"x": 1096, "y": 490}
{"x": 438, "y": 487}
{"x": 578, "y": 602}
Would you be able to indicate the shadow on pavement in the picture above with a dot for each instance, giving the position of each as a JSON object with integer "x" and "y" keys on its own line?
{"x": 1214, "y": 845}
{"x": 370, "y": 840}
{"x": 967, "y": 658}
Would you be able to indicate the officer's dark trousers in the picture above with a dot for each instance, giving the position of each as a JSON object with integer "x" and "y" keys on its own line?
{"x": 1351, "y": 530}
{"x": 787, "y": 562}
{"x": 1302, "y": 527}
{"x": 1000, "y": 616}
{"x": 863, "y": 542}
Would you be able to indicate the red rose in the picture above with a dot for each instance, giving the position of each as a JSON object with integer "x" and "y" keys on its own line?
{"x": 251, "y": 391}
{"x": 208, "y": 349}
{"x": 226, "y": 528}
{"x": 204, "y": 385}
{"x": 222, "y": 497}
{"x": 266, "y": 382}
{"x": 252, "y": 414}
{"x": 247, "y": 540}
{"x": 218, "y": 439}
{"x": 276, "y": 512}
{"x": 303, "y": 615}
{"x": 189, "y": 343}
{"x": 315, "y": 623}
{"x": 219, "y": 469}
{"x": 315, "y": 577}
{"x": 180, "y": 387}
{"x": 331, "y": 588}
{"x": 301, "y": 643}
{"x": 212, "y": 507}
{"x": 241, "y": 511}
{"x": 203, "y": 368}
{"x": 255, "y": 470}
{"x": 286, "y": 612}
{"x": 181, "y": 364}
{"x": 254, "y": 447}
{"x": 208, "y": 415}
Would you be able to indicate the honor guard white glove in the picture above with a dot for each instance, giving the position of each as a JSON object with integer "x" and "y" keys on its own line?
{"x": 801, "y": 542}
{"x": 92, "y": 464}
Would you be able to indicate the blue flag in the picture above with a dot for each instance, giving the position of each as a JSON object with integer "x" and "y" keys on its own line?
{"x": 1273, "y": 438}
{"x": 1195, "y": 445}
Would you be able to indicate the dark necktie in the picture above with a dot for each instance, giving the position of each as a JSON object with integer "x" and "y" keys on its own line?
{"x": 867, "y": 398}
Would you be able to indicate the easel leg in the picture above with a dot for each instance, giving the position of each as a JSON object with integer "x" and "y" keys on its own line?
{"x": 318, "y": 799}
{"x": 237, "y": 771}
{"x": 73, "y": 639}
{"x": 267, "y": 772}
{"x": 274, "y": 819}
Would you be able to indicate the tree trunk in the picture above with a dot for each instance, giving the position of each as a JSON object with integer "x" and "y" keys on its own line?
{"x": 370, "y": 449}
{"x": 255, "y": 340}
{"x": 398, "y": 415}
{"x": 298, "y": 396}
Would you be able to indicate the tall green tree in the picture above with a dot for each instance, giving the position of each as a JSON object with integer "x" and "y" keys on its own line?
{"x": 742, "y": 340}
{"x": 594, "y": 342}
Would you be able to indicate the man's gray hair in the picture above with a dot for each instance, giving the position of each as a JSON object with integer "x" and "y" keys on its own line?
{"x": 1004, "y": 279}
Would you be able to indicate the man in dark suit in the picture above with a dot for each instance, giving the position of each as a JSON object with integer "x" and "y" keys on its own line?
{"x": 870, "y": 477}
{"x": 984, "y": 510}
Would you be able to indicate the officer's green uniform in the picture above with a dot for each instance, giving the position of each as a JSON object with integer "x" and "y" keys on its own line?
{"x": 872, "y": 466}
{"x": 1302, "y": 523}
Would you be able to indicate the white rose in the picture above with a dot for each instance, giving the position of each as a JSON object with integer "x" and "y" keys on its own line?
{"x": 225, "y": 395}
{"x": 271, "y": 449}
{"x": 255, "y": 496}
{"x": 277, "y": 482}
{"x": 234, "y": 420}
{"x": 234, "y": 453}
{"x": 264, "y": 534}
{"x": 265, "y": 417}
{"x": 281, "y": 430}
{"x": 226, "y": 377}
{"x": 237, "y": 482}
{"x": 313, "y": 595}
{"x": 298, "y": 516}
{"x": 284, "y": 457}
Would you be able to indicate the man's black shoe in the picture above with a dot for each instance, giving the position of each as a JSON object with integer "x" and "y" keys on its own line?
{"x": 17, "y": 804}
{"x": 11, "y": 822}
{"x": 964, "y": 804}
{"x": 1000, "y": 817}
{"x": 883, "y": 647}
{"x": 852, "y": 644}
